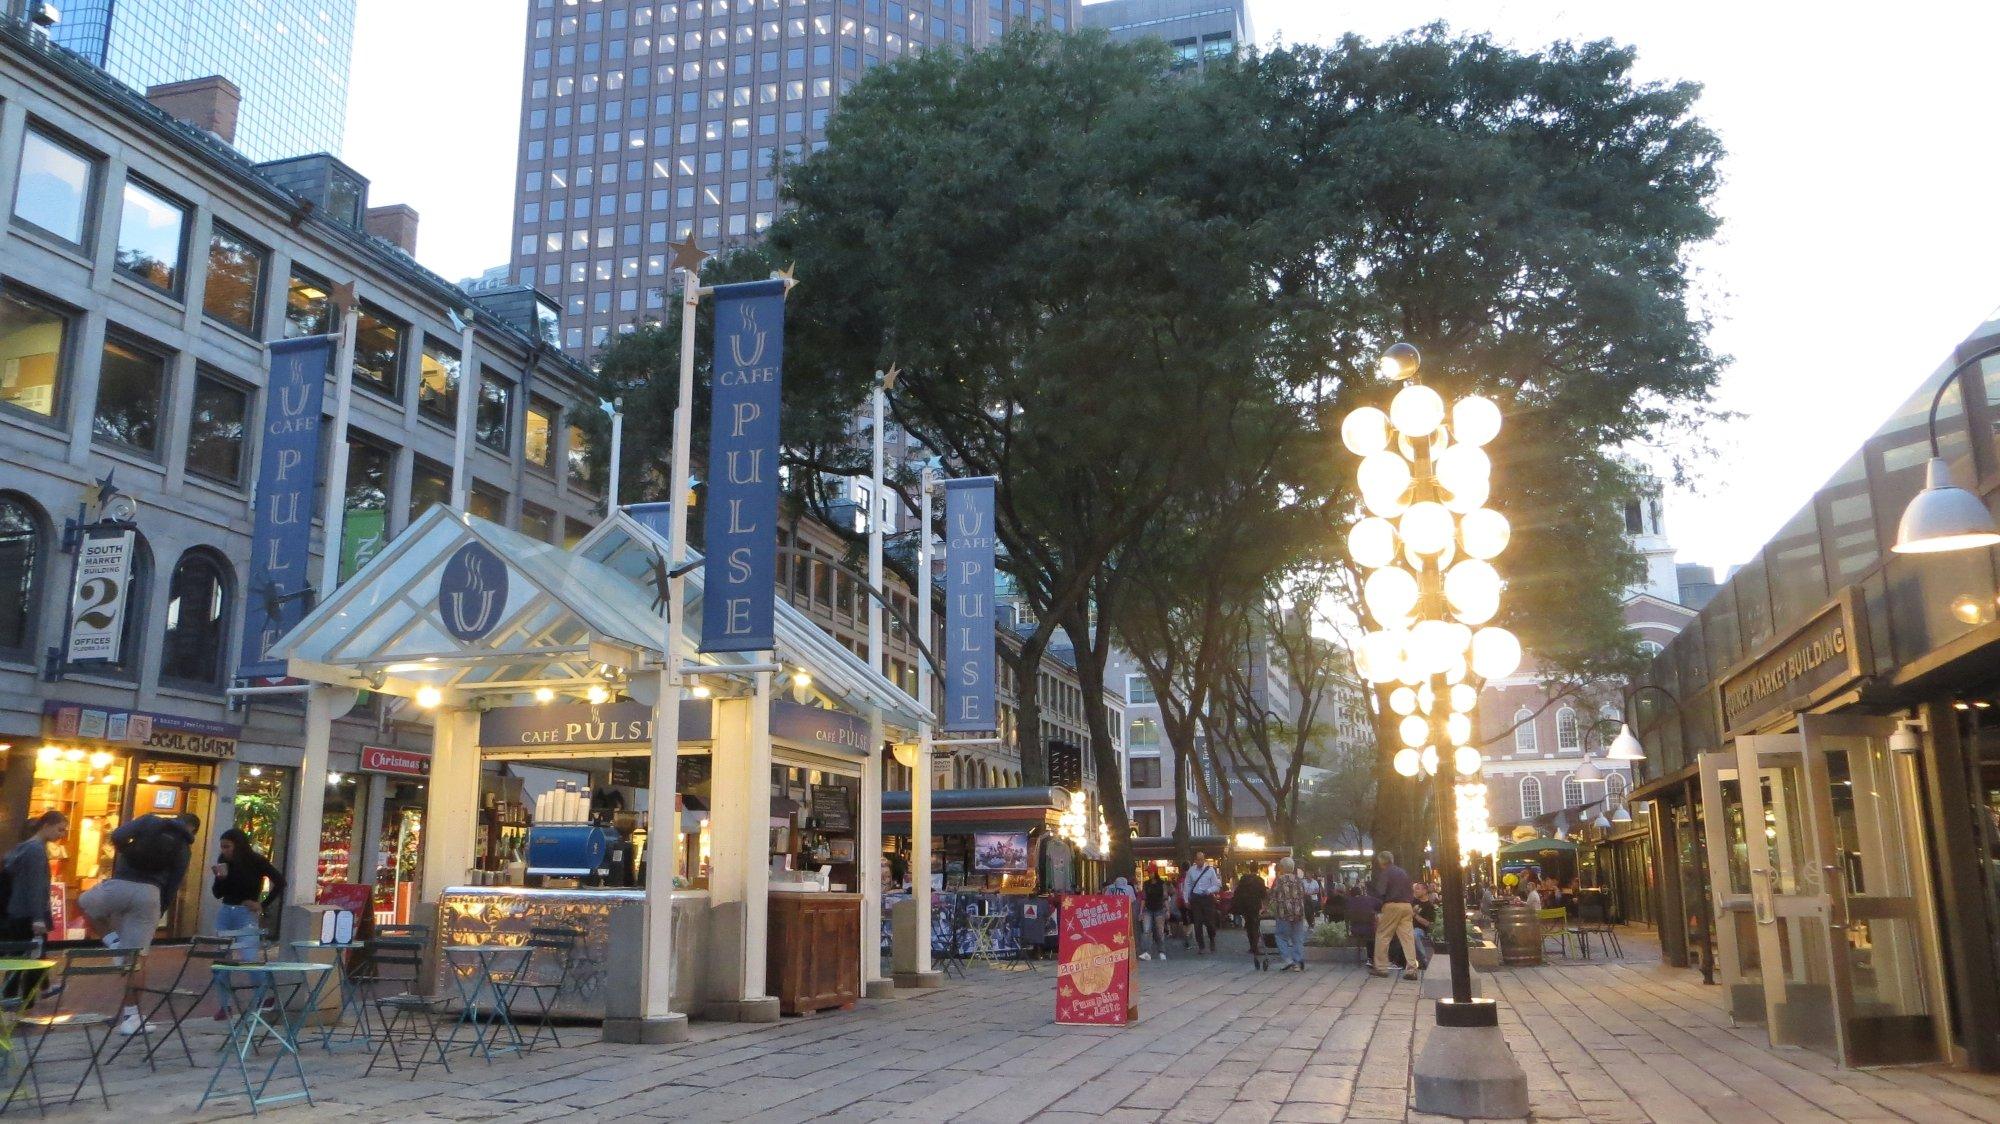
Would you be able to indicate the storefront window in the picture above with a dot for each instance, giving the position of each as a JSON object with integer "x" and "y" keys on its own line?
{"x": 399, "y": 850}
{"x": 88, "y": 786}
{"x": 307, "y": 311}
{"x": 540, "y": 443}
{"x": 22, "y": 549}
{"x": 336, "y": 831}
{"x": 264, "y": 809}
{"x": 437, "y": 382}
{"x": 378, "y": 352}
{"x": 494, "y": 420}
{"x": 172, "y": 787}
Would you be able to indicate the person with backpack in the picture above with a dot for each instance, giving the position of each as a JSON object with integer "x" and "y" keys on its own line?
{"x": 151, "y": 855}
{"x": 247, "y": 884}
{"x": 26, "y": 871}
{"x": 1154, "y": 893}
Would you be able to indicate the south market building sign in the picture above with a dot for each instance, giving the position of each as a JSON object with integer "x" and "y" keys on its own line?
{"x": 1823, "y": 657}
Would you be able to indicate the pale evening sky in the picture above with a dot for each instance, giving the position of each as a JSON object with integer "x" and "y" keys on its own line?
{"x": 1859, "y": 233}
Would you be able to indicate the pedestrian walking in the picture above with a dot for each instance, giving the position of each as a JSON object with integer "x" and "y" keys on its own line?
{"x": 1287, "y": 906}
{"x": 246, "y": 883}
{"x": 1394, "y": 921}
{"x": 1202, "y": 884}
{"x": 1248, "y": 904}
{"x": 1310, "y": 886}
{"x": 27, "y": 871}
{"x": 1361, "y": 909}
{"x": 150, "y": 858}
{"x": 1423, "y": 916}
{"x": 1154, "y": 896}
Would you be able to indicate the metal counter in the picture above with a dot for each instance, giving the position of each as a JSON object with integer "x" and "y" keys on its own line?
{"x": 505, "y": 914}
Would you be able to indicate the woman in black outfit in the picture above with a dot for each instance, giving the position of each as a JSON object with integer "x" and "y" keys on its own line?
{"x": 240, "y": 879}
{"x": 1249, "y": 905}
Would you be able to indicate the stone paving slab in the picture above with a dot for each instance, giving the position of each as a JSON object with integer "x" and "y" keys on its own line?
{"x": 1612, "y": 1042}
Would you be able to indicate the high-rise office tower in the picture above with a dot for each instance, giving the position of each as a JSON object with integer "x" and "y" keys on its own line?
{"x": 289, "y": 58}
{"x": 643, "y": 122}
{"x": 1197, "y": 30}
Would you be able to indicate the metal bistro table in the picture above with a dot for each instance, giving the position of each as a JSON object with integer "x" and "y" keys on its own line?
{"x": 249, "y": 1021}
{"x": 473, "y": 964}
{"x": 351, "y": 998}
{"x": 12, "y": 974}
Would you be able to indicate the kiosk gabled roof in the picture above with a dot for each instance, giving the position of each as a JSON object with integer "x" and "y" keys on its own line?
{"x": 634, "y": 550}
{"x": 564, "y": 618}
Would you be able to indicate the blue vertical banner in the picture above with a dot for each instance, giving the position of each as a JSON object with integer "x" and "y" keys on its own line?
{"x": 287, "y": 475}
{"x": 739, "y": 576}
{"x": 969, "y": 659}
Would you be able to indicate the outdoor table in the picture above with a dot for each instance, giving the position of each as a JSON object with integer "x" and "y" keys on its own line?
{"x": 12, "y": 971}
{"x": 251, "y": 1019}
{"x": 351, "y": 998}
{"x": 473, "y": 963}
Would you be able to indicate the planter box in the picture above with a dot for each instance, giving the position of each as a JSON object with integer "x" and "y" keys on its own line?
{"x": 1484, "y": 957}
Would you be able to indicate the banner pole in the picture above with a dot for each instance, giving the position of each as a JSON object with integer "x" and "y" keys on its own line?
{"x": 920, "y": 781}
{"x": 468, "y": 407}
{"x": 334, "y": 513}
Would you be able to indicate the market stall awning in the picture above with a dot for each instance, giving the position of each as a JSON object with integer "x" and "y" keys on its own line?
{"x": 957, "y": 811}
{"x": 1537, "y": 848}
{"x": 469, "y": 607}
{"x": 629, "y": 547}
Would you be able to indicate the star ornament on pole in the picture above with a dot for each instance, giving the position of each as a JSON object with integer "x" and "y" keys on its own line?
{"x": 689, "y": 255}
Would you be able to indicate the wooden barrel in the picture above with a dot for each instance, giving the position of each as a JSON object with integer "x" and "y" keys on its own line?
{"x": 1520, "y": 932}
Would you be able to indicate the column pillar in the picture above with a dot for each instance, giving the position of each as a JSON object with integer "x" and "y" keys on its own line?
{"x": 451, "y": 814}
{"x": 645, "y": 1014}
{"x": 324, "y": 704}
{"x": 868, "y": 862}
{"x": 740, "y": 865}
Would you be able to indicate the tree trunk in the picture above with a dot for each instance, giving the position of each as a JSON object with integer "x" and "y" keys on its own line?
{"x": 1092, "y": 651}
{"x": 1027, "y": 664}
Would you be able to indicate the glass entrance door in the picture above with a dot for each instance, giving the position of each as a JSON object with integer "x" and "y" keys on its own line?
{"x": 1870, "y": 838}
{"x": 1841, "y": 909}
{"x": 1738, "y": 964}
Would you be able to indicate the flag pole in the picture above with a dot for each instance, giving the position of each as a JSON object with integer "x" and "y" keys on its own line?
{"x": 920, "y": 782}
{"x": 334, "y": 511}
{"x": 468, "y": 407}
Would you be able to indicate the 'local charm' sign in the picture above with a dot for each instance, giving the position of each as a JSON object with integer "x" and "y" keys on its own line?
{"x": 739, "y": 583}
{"x": 968, "y": 613}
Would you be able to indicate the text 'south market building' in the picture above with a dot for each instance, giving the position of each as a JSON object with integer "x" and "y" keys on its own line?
{"x": 1823, "y": 758}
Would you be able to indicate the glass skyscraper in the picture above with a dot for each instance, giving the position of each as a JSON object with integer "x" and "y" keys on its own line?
{"x": 645, "y": 121}
{"x": 289, "y": 57}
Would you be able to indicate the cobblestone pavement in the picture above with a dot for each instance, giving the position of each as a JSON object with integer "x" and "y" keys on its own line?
{"x": 1619, "y": 1041}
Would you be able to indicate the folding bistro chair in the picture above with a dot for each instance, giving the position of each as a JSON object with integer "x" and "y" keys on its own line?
{"x": 545, "y": 977}
{"x": 398, "y": 962}
{"x": 184, "y": 994}
{"x": 94, "y": 985}
{"x": 1591, "y": 921}
{"x": 1555, "y": 927}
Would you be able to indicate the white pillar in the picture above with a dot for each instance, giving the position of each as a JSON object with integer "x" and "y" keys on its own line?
{"x": 659, "y": 1022}
{"x": 868, "y": 860}
{"x": 739, "y": 878}
{"x": 468, "y": 415}
{"x": 324, "y": 704}
{"x": 920, "y": 779}
{"x": 451, "y": 815}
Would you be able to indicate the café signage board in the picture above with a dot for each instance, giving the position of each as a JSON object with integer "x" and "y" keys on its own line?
{"x": 1094, "y": 984}
{"x": 627, "y": 727}
{"x": 1818, "y": 660}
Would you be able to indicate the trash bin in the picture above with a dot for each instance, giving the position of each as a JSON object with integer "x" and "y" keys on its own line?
{"x": 1520, "y": 932}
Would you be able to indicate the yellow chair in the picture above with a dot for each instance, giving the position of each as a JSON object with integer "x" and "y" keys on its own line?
{"x": 1555, "y": 927}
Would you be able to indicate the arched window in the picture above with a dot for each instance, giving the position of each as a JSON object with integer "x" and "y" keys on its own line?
{"x": 195, "y": 649}
{"x": 1524, "y": 732}
{"x": 958, "y": 774}
{"x": 1531, "y": 798}
{"x": 983, "y": 776}
{"x": 1569, "y": 736}
{"x": 1615, "y": 786}
{"x": 1651, "y": 648}
{"x": 23, "y": 554}
{"x": 1572, "y": 792}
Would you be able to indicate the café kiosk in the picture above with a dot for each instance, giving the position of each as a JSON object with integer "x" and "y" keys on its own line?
{"x": 518, "y": 650}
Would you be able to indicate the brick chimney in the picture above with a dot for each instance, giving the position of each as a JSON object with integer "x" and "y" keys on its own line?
{"x": 209, "y": 104}
{"x": 395, "y": 224}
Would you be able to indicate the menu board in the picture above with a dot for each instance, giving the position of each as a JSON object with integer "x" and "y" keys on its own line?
{"x": 1094, "y": 984}
{"x": 831, "y": 806}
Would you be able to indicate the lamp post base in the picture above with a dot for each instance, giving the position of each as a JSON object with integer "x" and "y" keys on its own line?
{"x": 1466, "y": 1069}
{"x": 1437, "y": 978}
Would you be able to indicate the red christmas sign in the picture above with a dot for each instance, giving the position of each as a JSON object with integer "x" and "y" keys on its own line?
{"x": 1094, "y": 983}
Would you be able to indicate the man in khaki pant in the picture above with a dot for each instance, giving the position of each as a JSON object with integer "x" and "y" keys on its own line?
{"x": 1396, "y": 920}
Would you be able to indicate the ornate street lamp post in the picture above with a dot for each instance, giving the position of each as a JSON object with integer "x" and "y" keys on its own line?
{"x": 1427, "y": 544}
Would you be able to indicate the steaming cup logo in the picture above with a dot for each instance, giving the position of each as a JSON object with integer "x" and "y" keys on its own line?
{"x": 747, "y": 345}
{"x": 473, "y": 592}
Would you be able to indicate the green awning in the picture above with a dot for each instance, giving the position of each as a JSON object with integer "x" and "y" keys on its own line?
{"x": 1530, "y": 848}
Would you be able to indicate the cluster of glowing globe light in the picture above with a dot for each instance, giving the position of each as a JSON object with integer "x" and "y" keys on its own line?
{"x": 1475, "y": 831}
{"x": 1424, "y": 479}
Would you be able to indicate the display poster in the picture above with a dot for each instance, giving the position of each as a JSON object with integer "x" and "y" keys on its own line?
{"x": 1094, "y": 982}
{"x": 276, "y": 580}
{"x": 830, "y": 804}
{"x": 739, "y": 585}
{"x": 1000, "y": 850}
{"x": 969, "y": 659}
{"x": 97, "y": 605}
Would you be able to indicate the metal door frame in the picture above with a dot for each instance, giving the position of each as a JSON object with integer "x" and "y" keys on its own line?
{"x": 1728, "y": 905}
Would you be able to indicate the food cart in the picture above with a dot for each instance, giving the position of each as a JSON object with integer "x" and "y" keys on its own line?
{"x": 738, "y": 859}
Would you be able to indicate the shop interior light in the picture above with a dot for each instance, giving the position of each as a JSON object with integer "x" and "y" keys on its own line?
{"x": 429, "y": 697}
{"x": 701, "y": 690}
{"x": 48, "y": 754}
{"x": 333, "y": 778}
{"x": 256, "y": 771}
{"x": 1626, "y": 747}
{"x": 152, "y": 778}
{"x": 597, "y": 694}
{"x": 802, "y": 678}
{"x": 73, "y": 754}
{"x": 1250, "y": 840}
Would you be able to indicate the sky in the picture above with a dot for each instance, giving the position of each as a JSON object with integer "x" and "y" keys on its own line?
{"x": 1859, "y": 204}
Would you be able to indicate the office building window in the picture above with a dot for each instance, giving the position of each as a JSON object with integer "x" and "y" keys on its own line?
{"x": 34, "y": 350}
{"x": 55, "y": 188}
{"x": 493, "y": 424}
{"x": 152, "y": 238}
{"x": 233, "y": 291}
{"x": 23, "y": 553}
{"x": 378, "y": 352}
{"x": 1572, "y": 792}
{"x": 307, "y": 311}
{"x": 1143, "y": 732}
{"x": 216, "y": 423}
{"x": 540, "y": 428}
{"x": 1139, "y": 689}
{"x": 131, "y": 395}
{"x": 538, "y": 522}
{"x": 430, "y": 484}
{"x": 138, "y": 591}
{"x": 437, "y": 382}
{"x": 489, "y": 504}
{"x": 581, "y": 473}
{"x": 364, "y": 529}
{"x": 194, "y": 650}
{"x": 1145, "y": 772}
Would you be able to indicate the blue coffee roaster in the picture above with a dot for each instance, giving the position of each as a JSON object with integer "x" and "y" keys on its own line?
{"x": 570, "y": 850}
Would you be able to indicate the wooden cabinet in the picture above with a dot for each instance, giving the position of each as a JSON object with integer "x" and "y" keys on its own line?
{"x": 815, "y": 951}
